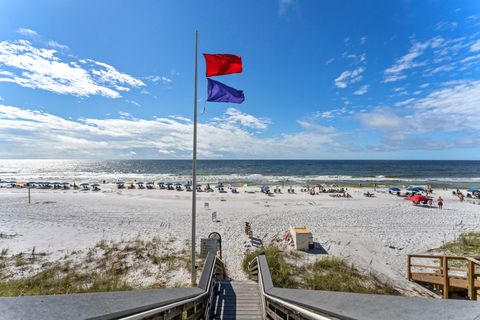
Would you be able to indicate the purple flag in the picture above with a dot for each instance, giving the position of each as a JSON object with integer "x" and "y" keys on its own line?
{"x": 218, "y": 92}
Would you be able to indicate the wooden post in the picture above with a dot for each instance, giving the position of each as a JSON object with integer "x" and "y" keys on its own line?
{"x": 472, "y": 291}
{"x": 28, "y": 194}
{"x": 445, "y": 277}
{"x": 409, "y": 267}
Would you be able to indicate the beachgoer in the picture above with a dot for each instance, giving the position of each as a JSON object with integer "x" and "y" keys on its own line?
{"x": 440, "y": 202}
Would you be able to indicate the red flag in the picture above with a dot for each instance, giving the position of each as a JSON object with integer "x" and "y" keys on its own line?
{"x": 220, "y": 64}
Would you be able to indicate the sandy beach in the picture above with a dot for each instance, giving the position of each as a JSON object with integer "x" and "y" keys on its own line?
{"x": 374, "y": 233}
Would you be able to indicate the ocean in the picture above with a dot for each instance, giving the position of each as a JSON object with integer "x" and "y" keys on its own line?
{"x": 253, "y": 172}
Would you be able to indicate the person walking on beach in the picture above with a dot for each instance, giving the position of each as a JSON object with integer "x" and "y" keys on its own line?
{"x": 440, "y": 202}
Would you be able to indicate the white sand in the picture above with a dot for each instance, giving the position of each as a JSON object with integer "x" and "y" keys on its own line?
{"x": 375, "y": 233}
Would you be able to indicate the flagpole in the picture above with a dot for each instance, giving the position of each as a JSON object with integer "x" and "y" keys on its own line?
{"x": 194, "y": 164}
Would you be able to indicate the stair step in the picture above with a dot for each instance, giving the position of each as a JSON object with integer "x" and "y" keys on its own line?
{"x": 236, "y": 300}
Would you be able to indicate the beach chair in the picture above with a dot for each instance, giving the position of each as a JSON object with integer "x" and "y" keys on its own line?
{"x": 150, "y": 185}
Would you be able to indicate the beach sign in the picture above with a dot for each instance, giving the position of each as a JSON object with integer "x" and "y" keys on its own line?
{"x": 214, "y": 216}
{"x": 208, "y": 245}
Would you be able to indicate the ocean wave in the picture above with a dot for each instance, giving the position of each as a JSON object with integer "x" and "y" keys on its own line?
{"x": 226, "y": 178}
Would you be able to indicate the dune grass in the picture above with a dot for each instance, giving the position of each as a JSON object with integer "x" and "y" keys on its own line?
{"x": 466, "y": 244}
{"x": 60, "y": 279}
{"x": 329, "y": 273}
{"x": 108, "y": 266}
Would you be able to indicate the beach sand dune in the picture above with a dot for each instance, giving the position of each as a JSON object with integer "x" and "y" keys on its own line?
{"x": 374, "y": 233}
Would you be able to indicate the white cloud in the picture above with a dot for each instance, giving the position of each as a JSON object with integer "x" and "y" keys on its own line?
{"x": 405, "y": 102}
{"x": 381, "y": 119}
{"x": 124, "y": 114}
{"x": 455, "y": 107}
{"x": 435, "y": 56}
{"x": 133, "y": 102}
{"x": 475, "y": 46}
{"x": 181, "y": 118}
{"x": 159, "y": 79}
{"x": 446, "y": 25}
{"x": 29, "y": 133}
{"x": 233, "y": 116}
{"x": 27, "y": 32}
{"x": 36, "y": 36}
{"x": 329, "y": 61}
{"x": 362, "y": 90}
{"x": 445, "y": 118}
{"x": 56, "y": 45}
{"x": 330, "y": 114}
{"x": 41, "y": 68}
{"x": 408, "y": 61}
{"x": 349, "y": 76}
{"x": 315, "y": 127}
{"x": 363, "y": 40}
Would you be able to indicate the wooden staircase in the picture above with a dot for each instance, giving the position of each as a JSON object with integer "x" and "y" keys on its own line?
{"x": 236, "y": 300}
{"x": 445, "y": 273}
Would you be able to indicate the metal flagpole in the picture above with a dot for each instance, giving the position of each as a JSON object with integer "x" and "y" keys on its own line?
{"x": 194, "y": 164}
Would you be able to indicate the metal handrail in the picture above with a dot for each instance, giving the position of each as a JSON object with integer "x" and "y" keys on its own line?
{"x": 204, "y": 295}
{"x": 308, "y": 314}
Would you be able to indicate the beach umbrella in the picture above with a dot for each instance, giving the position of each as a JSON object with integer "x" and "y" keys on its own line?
{"x": 84, "y": 184}
{"x": 418, "y": 199}
{"x": 394, "y": 189}
{"x": 140, "y": 182}
{"x": 95, "y": 185}
{"x": 473, "y": 190}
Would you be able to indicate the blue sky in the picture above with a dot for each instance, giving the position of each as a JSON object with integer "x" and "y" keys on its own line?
{"x": 322, "y": 80}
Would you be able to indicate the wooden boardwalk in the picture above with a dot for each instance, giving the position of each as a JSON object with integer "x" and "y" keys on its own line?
{"x": 446, "y": 273}
{"x": 237, "y": 300}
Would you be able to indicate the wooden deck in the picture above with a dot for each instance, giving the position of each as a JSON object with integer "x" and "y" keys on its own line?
{"x": 445, "y": 272}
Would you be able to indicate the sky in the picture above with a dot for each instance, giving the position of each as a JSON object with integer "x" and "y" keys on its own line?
{"x": 322, "y": 79}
